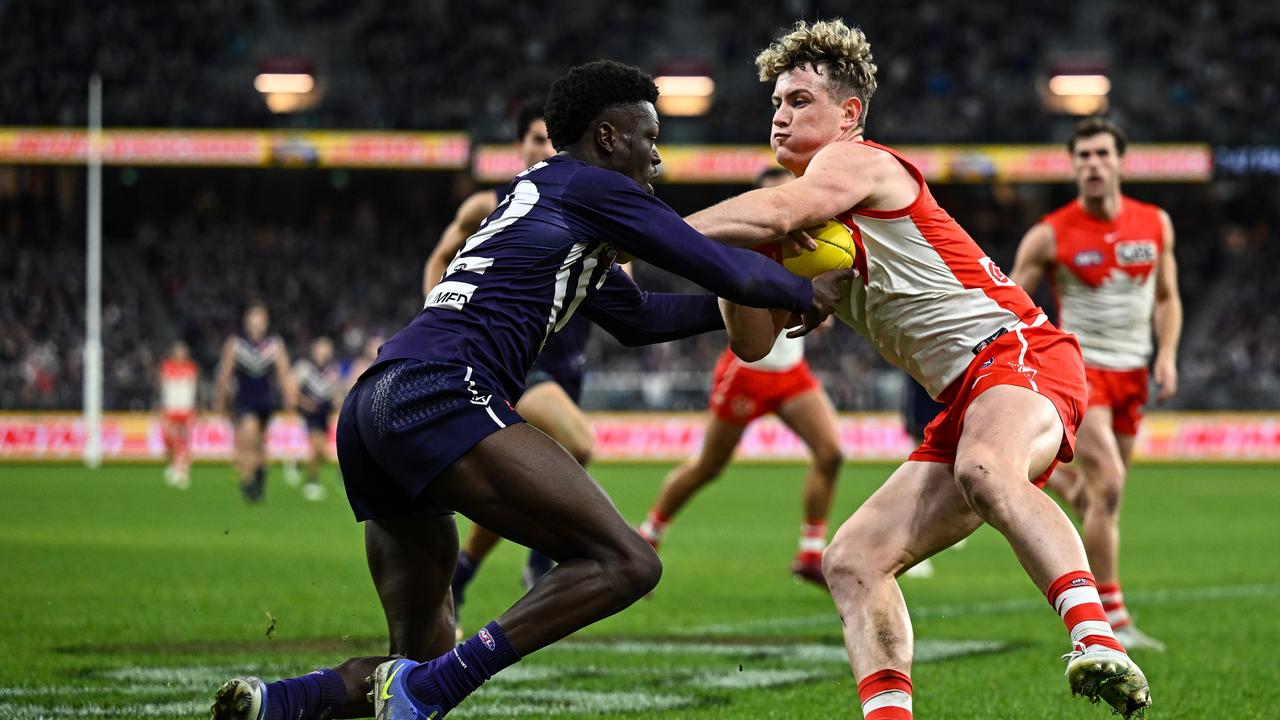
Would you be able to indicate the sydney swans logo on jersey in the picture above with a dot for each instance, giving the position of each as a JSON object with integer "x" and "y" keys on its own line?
{"x": 1087, "y": 258}
{"x": 1136, "y": 252}
{"x": 995, "y": 273}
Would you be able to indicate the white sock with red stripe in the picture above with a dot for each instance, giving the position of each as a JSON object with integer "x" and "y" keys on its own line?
{"x": 654, "y": 527}
{"x": 886, "y": 695}
{"x": 1113, "y": 605}
{"x": 813, "y": 540}
{"x": 1075, "y": 597}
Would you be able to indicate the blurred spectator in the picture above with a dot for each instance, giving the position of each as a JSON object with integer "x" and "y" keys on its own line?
{"x": 1192, "y": 70}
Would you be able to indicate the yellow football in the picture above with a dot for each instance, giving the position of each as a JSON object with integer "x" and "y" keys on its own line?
{"x": 836, "y": 251}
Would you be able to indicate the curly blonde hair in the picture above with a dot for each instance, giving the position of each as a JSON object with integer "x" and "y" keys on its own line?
{"x": 830, "y": 46}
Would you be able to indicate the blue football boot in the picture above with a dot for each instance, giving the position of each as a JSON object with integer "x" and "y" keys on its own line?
{"x": 390, "y": 694}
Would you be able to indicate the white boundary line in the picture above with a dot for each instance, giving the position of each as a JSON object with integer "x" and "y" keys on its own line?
{"x": 998, "y": 607}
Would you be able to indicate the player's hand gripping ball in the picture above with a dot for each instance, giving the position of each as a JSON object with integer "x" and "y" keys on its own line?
{"x": 836, "y": 251}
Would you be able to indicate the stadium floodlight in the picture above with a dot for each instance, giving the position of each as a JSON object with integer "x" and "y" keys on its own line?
{"x": 1076, "y": 92}
{"x": 1087, "y": 85}
{"x": 684, "y": 95}
{"x": 293, "y": 89}
{"x": 298, "y": 83}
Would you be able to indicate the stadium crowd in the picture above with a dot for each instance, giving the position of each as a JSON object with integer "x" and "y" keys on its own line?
{"x": 183, "y": 260}
{"x": 188, "y": 254}
{"x": 949, "y": 72}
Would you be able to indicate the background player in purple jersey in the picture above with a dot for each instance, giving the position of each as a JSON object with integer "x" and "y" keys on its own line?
{"x": 533, "y": 145}
{"x": 319, "y": 385}
{"x": 259, "y": 364}
{"x": 429, "y": 427}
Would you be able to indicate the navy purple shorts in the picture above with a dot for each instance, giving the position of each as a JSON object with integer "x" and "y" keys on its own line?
{"x": 262, "y": 411}
{"x": 318, "y": 421}
{"x": 403, "y": 424}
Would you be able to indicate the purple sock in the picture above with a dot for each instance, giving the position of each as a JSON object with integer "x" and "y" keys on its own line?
{"x": 450, "y": 678}
{"x": 313, "y": 696}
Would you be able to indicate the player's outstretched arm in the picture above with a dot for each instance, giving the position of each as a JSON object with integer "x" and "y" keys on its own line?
{"x": 606, "y": 205}
{"x": 222, "y": 382}
{"x": 1168, "y": 316}
{"x": 636, "y": 317}
{"x": 465, "y": 222}
{"x": 841, "y": 176}
{"x": 1035, "y": 256}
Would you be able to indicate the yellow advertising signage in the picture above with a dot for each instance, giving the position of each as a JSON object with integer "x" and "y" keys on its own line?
{"x": 730, "y": 164}
{"x": 737, "y": 164}
{"x": 239, "y": 148}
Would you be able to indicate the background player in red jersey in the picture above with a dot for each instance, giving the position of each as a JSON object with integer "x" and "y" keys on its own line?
{"x": 179, "y": 377}
{"x": 933, "y": 304}
{"x": 1111, "y": 264}
{"x": 741, "y": 392}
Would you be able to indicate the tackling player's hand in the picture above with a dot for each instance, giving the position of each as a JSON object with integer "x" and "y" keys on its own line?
{"x": 827, "y": 289}
{"x": 796, "y": 242}
{"x": 1166, "y": 379}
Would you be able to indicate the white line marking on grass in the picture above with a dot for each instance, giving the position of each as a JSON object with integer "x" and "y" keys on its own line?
{"x": 999, "y": 607}
{"x": 504, "y": 702}
{"x": 681, "y": 681}
{"x": 60, "y": 691}
{"x": 926, "y": 650}
{"x": 13, "y": 711}
{"x": 755, "y": 679}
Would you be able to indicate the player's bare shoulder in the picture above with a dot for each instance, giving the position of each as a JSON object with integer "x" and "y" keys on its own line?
{"x": 885, "y": 182}
{"x": 854, "y": 156}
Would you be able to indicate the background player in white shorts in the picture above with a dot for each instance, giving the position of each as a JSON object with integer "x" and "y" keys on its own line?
{"x": 741, "y": 392}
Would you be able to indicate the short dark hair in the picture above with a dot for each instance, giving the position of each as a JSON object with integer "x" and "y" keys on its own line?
{"x": 584, "y": 92}
{"x": 770, "y": 173}
{"x": 529, "y": 112}
{"x": 1097, "y": 125}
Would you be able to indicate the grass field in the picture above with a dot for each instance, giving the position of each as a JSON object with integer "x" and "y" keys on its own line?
{"x": 120, "y": 597}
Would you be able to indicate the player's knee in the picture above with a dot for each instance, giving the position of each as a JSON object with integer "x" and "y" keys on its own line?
{"x": 983, "y": 484}
{"x": 638, "y": 572}
{"x": 581, "y": 447}
{"x": 828, "y": 459}
{"x": 1104, "y": 486}
{"x": 1104, "y": 494}
{"x": 849, "y": 562}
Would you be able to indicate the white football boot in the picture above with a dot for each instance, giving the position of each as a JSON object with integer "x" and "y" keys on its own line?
{"x": 1100, "y": 673}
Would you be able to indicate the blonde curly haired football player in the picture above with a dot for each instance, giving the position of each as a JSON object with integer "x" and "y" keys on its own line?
{"x": 934, "y": 305}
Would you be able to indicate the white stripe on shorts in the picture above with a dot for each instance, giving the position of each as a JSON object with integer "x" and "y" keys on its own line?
{"x": 494, "y": 415}
{"x": 1022, "y": 356}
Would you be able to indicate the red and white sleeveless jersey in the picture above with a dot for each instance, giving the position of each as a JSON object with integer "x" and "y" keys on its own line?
{"x": 1104, "y": 280}
{"x": 785, "y": 355}
{"x": 178, "y": 385}
{"x": 926, "y": 294}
